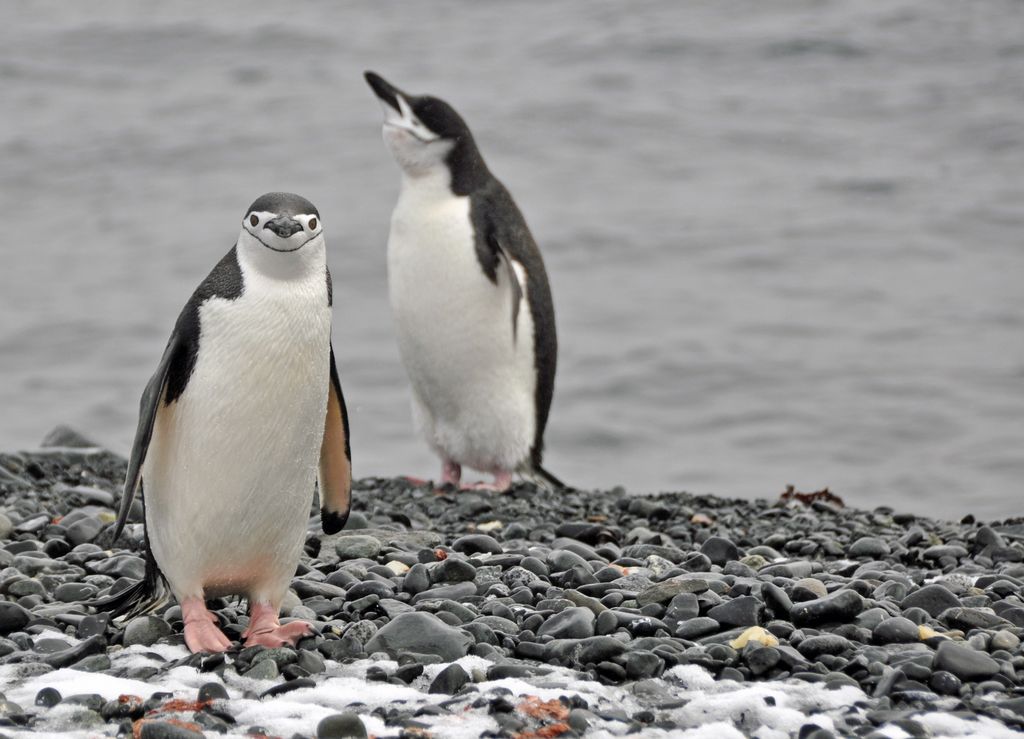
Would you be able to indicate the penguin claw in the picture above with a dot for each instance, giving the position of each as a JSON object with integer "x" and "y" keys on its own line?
{"x": 265, "y": 630}
{"x": 283, "y": 635}
{"x": 201, "y": 631}
{"x": 205, "y": 638}
{"x": 502, "y": 482}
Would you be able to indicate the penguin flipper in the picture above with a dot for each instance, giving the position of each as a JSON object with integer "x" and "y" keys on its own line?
{"x": 513, "y": 280}
{"x": 149, "y": 406}
{"x": 335, "y": 460}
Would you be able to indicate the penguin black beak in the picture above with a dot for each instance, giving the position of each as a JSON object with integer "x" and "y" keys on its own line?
{"x": 284, "y": 226}
{"x": 384, "y": 89}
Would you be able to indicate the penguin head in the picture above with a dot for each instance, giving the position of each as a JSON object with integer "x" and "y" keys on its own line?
{"x": 281, "y": 228}
{"x": 422, "y": 132}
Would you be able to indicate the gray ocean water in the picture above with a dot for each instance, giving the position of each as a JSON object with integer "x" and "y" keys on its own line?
{"x": 785, "y": 240}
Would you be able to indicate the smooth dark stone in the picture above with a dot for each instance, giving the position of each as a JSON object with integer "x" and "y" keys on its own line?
{"x": 971, "y": 618}
{"x": 84, "y": 530}
{"x": 125, "y": 706}
{"x": 370, "y": 587}
{"x": 642, "y": 664}
{"x": 815, "y": 646}
{"x": 477, "y": 544}
{"x": 896, "y": 630}
{"x": 695, "y": 628}
{"x": 596, "y": 649}
{"x": 408, "y": 673}
{"x": 760, "y": 660}
{"x": 453, "y": 570}
{"x": 572, "y": 623}
{"x": 212, "y": 692}
{"x": 263, "y": 670}
{"x": 454, "y": 591}
{"x": 669, "y": 589}
{"x": 450, "y": 680}
{"x": 288, "y": 686}
{"x": 839, "y": 607}
{"x": 120, "y": 565}
{"x": 71, "y": 592}
{"x": 346, "y": 648}
{"x": 12, "y": 617}
{"x": 966, "y": 663}
{"x": 719, "y": 550}
{"x": 940, "y": 551}
{"x": 742, "y": 611}
{"x": 92, "y": 645}
{"x": 776, "y": 599}
{"x": 792, "y": 570}
{"x": 310, "y": 662}
{"x": 643, "y": 551}
{"x": 308, "y": 588}
{"x": 945, "y": 683}
{"x": 682, "y": 607}
{"x": 152, "y": 729}
{"x": 422, "y": 633}
{"x": 502, "y": 671}
{"x": 48, "y": 697}
{"x": 417, "y": 579}
{"x": 145, "y": 630}
{"x": 932, "y": 598}
{"x": 868, "y": 547}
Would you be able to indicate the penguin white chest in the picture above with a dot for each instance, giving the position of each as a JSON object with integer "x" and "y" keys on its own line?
{"x": 230, "y": 474}
{"x": 472, "y": 381}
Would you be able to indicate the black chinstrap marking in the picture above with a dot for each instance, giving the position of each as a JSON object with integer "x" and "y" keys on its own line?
{"x": 282, "y": 251}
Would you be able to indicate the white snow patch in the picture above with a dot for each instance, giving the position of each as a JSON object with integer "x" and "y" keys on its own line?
{"x": 943, "y": 725}
{"x": 711, "y": 710}
{"x": 73, "y": 682}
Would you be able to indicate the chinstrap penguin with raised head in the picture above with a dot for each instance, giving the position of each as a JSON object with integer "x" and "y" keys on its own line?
{"x": 242, "y": 418}
{"x": 470, "y": 297}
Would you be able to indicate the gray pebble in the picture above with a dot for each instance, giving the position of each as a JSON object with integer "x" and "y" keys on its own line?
{"x": 742, "y": 611}
{"x": 695, "y": 628}
{"x": 572, "y": 623}
{"x": 966, "y": 663}
{"x": 719, "y": 550}
{"x": 422, "y": 633}
{"x": 341, "y": 726}
{"x": 842, "y": 607}
{"x": 450, "y": 680}
{"x": 356, "y": 546}
{"x": 145, "y": 630}
{"x": 932, "y": 598}
{"x": 870, "y": 547}
{"x": 895, "y": 630}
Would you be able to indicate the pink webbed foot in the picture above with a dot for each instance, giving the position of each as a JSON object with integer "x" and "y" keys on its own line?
{"x": 201, "y": 631}
{"x": 266, "y": 630}
{"x": 502, "y": 482}
{"x": 415, "y": 481}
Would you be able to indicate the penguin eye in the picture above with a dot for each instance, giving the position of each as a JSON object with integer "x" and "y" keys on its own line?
{"x": 254, "y": 220}
{"x": 312, "y": 224}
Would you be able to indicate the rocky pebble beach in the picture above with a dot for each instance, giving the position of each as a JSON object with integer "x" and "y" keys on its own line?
{"x": 527, "y": 614}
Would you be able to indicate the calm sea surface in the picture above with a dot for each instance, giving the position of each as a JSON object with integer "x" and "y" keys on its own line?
{"x": 786, "y": 240}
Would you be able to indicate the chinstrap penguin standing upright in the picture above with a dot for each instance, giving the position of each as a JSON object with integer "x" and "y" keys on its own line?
{"x": 244, "y": 413}
{"x": 470, "y": 297}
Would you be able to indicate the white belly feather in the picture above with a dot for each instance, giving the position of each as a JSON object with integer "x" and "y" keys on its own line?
{"x": 230, "y": 473}
{"x": 472, "y": 386}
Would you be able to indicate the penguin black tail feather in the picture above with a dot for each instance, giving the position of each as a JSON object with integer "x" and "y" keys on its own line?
{"x": 149, "y": 594}
{"x": 145, "y": 596}
{"x": 548, "y": 479}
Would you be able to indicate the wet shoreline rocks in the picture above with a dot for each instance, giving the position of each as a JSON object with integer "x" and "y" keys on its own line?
{"x": 566, "y": 612}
